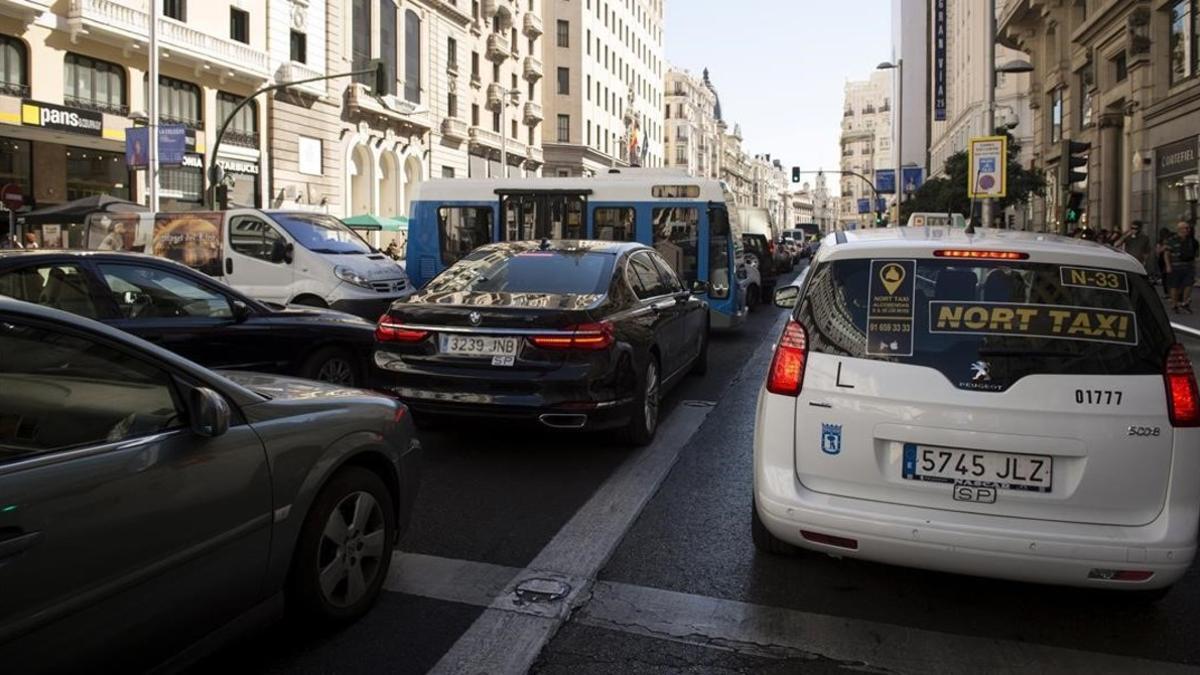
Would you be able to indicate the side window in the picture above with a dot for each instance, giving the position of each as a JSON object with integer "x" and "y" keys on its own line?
{"x": 59, "y": 286}
{"x": 677, "y": 239}
{"x": 59, "y": 391}
{"x": 462, "y": 230}
{"x": 615, "y": 224}
{"x": 670, "y": 279}
{"x": 644, "y": 277}
{"x": 257, "y": 239}
{"x": 151, "y": 293}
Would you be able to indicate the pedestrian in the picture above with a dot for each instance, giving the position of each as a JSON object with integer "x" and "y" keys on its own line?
{"x": 9, "y": 241}
{"x": 31, "y": 241}
{"x": 1181, "y": 252}
{"x": 1135, "y": 243}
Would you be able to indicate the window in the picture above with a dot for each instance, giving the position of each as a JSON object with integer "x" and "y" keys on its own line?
{"x": 719, "y": 267}
{"x": 563, "y": 34}
{"x": 564, "y": 128}
{"x": 615, "y": 224}
{"x": 668, "y": 274}
{"x": 462, "y": 230}
{"x": 1056, "y": 115}
{"x": 94, "y": 84}
{"x": 496, "y": 121}
{"x": 175, "y": 9}
{"x": 299, "y": 47}
{"x": 1087, "y": 90}
{"x": 239, "y": 25}
{"x": 474, "y": 114}
{"x": 452, "y": 104}
{"x": 387, "y": 44}
{"x": 644, "y": 278}
{"x": 1184, "y": 51}
{"x": 360, "y": 41}
{"x": 588, "y": 90}
{"x": 1121, "y": 67}
{"x": 14, "y": 70}
{"x": 564, "y": 81}
{"x": 447, "y": 172}
{"x": 588, "y": 42}
{"x": 152, "y": 293}
{"x": 62, "y": 287}
{"x": 412, "y": 55}
{"x": 452, "y": 54}
{"x": 243, "y": 129}
{"x": 60, "y": 391}
{"x": 677, "y": 240}
{"x": 257, "y": 239}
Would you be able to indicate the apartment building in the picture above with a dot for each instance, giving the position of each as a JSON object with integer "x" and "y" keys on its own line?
{"x": 866, "y": 142}
{"x": 692, "y": 141}
{"x": 74, "y": 79}
{"x": 605, "y": 97}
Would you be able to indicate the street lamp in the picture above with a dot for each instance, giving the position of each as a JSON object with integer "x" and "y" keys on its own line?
{"x": 899, "y": 102}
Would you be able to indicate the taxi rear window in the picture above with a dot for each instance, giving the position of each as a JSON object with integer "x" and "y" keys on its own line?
{"x": 986, "y": 324}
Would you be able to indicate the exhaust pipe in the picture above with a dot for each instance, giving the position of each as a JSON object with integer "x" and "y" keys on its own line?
{"x": 563, "y": 421}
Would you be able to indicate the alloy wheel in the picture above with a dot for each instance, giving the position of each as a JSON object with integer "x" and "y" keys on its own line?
{"x": 352, "y": 547}
{"x": 336, "y": 371}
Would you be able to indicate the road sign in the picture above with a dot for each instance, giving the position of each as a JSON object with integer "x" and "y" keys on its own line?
{"x": 864, "y": 205}
{"x": 12, "y": 196}
{"x": 885, "y": 181}
{"x": 987, "y": 167}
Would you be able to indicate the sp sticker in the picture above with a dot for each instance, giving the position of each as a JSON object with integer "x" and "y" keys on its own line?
{"x": 831, "y": 439}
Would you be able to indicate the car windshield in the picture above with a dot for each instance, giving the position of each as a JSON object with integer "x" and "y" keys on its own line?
{"x": 323, "y": 234}
{"x": 496, "y": 270}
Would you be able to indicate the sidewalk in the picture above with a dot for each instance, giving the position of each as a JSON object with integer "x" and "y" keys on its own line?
{"x": 1187, "y": 321}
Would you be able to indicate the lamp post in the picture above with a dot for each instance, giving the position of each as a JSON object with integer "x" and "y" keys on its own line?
{"x": 989, "y": 114}
{"x": 898, "y": 66}
{"x": 507, "y": 97}
{"x": 152, "y": 169}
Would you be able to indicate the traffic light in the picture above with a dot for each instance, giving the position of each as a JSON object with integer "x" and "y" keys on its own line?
{"x": 379, "y": 76}
{"x": 1074, "y": 207}
{"x": 1074, "y": 162}
{"x": 795, "y": 174}
{"x": 879, "y": 221}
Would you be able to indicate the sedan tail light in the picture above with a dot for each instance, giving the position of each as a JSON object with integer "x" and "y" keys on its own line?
{"x": 585, "y": 336}
{"x": 1183, "y": 402}
{"x": 388, "y": 330}
{"x": 786, "y": 376}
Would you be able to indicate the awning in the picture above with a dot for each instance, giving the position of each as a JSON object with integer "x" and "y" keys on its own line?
{"x": 372, "y": 223}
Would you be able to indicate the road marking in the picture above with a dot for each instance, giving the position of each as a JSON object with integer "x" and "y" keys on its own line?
{"x": 770, "y": 632}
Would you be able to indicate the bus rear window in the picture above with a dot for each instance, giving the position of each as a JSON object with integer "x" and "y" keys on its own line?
{"x": 463, "y": 229}
{"x": 1016, "y": 319}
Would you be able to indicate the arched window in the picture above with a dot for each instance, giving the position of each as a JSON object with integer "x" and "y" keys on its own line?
{"x": 387, "y": 42}
{"x": 412, "y": 57}
{"x": 94, "y": 84}
{"x": 14, "y": 67}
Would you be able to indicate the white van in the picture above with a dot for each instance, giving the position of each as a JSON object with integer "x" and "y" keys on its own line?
{"x": 281, "y": 257}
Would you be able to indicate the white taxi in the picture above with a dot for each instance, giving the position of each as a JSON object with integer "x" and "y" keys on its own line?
{"x": 995, "y": 403}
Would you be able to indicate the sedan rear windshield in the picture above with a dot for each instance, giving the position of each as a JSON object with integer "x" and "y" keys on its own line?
{"x": 492, "y": 270}
{"x": 985, "y": 325}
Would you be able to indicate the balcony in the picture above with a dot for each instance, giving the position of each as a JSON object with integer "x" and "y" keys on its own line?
{"x": 128, "y": 27}
{"x": 244, "y": 139}
{"x": 25, "y": 10}
{"x": 533, "y": 24}
{"x": 359, "y": 100}
{"x": 533, "y": 68}
{"x": 292, "y": 72}
{"x": 535, "y": 155}
{"x": 495, "y": 96}
{"x": 454, "y": 129}
{"x": 533, "y": 114}
{"x": 14, "y": 89}
{"x": 488, "y": 9}
{"x": 497, "y": 48}
{"x": 487, "y": 138}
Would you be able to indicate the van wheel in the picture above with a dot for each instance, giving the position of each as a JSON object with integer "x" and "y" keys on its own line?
{"x": 344, "y": 549}
{"x": 310, "y": 301}
{"x": 332, "y": 365}
{"x": 643, "y": 423}
{"x": 764, "y": 541}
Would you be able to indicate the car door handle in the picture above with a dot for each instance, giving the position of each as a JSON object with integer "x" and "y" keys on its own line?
{"x": 18, "y": 543}
{"x": 663, "y": 305}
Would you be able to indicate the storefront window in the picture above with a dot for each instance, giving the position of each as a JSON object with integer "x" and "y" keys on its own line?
{"x": 15, "y": 162}
{"x": 94, "y": 172}
{"x": 243, "y": 130}
{"x": 94, "y": 84}
{"x": 243, "y": 193}
{"x": 1183, "y": 41}
{"x": 181, "y": 188}
{"x": 14, "y": 67}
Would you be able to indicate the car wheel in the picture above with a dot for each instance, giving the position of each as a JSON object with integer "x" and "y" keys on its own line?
{"x": 332, "y": 365}
{"x": 764, "y": 541}
{"x": 643, "y": 423}
{"x": 345, "y": 548}
{"x": 700, "y": 365}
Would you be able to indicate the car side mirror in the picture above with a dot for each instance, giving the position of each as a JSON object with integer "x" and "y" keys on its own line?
{"x": 699, "y": 287}
{"x": 241, "y": 311}
{"x": 289, "y": 253}
{"x": 787, "y": 296}
{"x": 209, "y": 413}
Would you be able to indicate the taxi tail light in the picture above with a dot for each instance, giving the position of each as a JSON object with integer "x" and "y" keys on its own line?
{"x": 1120, "y": 575}
{"x": 1183, "y": 402}
{"x": 786, "y": 376}
{"x": 976, "y": 254}
{"x": 388, "y": 330}
{"x": 585, "y": 337}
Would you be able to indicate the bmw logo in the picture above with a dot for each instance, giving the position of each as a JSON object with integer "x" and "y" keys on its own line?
{"x": 475, "y": 318}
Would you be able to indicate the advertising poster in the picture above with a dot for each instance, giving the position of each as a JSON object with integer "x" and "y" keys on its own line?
{"x": 52, "y": 236}
{"x": 113, "y": 232}
{"x": 892, "y": 306}
{"x": 193, "y": 239}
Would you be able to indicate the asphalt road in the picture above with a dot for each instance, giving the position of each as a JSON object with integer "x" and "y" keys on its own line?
{"x": 493, "y": 498}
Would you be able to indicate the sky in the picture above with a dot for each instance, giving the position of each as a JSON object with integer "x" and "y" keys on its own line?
{"x": 780, "y": 67}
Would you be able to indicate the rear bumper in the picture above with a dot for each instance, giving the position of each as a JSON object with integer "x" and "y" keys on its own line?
{"x": 1040, "y": 551}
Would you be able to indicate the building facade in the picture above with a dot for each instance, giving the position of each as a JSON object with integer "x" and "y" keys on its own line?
{"x": 866, "y": 143}
{"x": 692, "y": 138}
{"x": 604, "y": 102}
{"x": 1123, "y": 77}
{"x": 74, "y": 79}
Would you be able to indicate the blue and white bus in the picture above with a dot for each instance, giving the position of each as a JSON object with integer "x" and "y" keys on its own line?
{"x": 685, "y": 219}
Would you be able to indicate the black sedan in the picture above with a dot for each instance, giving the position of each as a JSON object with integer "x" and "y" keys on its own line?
{"x": 193, "y": 314}
{"x": 574, "y": 334}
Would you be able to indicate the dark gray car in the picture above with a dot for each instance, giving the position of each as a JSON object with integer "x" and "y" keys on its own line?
{"x": 146, "y": 501}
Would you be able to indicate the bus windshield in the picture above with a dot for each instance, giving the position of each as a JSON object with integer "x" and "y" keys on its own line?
{"x": 320, "y": 233}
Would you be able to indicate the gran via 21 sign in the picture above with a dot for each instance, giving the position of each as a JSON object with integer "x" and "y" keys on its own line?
{"x": 61, "y": 118}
